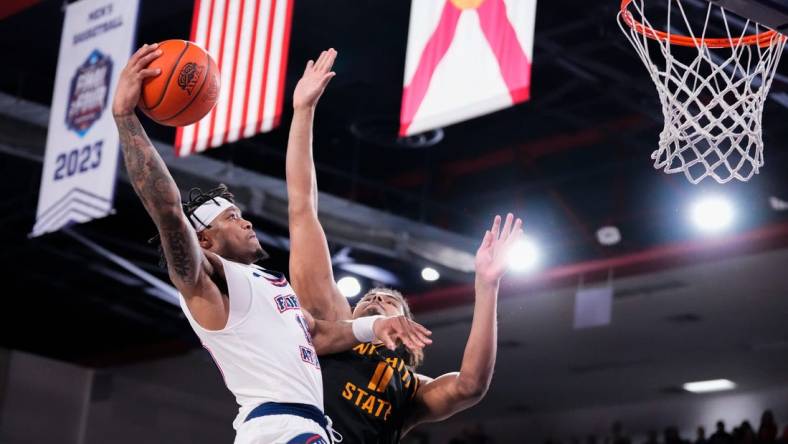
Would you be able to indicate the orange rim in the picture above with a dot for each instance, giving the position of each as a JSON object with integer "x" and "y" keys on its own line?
{"x": 763, "y": 39}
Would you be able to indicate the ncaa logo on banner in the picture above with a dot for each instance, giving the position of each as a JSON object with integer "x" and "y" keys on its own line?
{"x": 89, "y": 92}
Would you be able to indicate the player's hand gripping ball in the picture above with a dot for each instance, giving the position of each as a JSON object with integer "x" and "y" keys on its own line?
{"x": 187, "y": 87}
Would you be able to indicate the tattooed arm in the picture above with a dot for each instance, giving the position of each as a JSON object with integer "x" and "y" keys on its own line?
{"x": 189, "y": 267}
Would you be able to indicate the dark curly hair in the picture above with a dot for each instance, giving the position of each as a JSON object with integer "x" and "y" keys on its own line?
{"x": 197, "y": 197}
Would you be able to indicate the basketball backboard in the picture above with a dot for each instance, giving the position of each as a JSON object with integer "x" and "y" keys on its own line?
{"x": 771, "y": 13}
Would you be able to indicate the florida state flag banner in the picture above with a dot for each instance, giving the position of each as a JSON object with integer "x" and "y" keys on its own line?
{"x": 465, "y": 58}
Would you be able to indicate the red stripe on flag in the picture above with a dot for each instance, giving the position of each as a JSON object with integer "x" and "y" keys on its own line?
{"x": 232, "y": 78}
{"x": 221, "y": 58}
{"x": 265, "y": 66}
{"x": 192, "y": 36}
{"x": 280, "y": 93}
{"x": 178, "y": 141}
{"x": 193, "y": 148}
{"x": 513, "y": 62}
{"x": 252, "y": 55}
{"x": 195, "y": 19}
{"x": 433, "y": 53}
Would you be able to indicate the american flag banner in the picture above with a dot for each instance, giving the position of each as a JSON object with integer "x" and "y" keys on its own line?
{"x": 249, "y": 41}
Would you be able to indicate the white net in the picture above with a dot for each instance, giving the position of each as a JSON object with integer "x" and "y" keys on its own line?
{"x": 712, "y": 90}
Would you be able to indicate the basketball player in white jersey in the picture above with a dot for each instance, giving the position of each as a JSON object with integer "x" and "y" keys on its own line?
{"x": 247, "y": 317}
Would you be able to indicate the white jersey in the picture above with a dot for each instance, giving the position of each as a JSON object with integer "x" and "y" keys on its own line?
{"x": 265, "y": 352}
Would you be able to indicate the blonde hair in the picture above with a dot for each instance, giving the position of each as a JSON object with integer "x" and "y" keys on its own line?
{"x": 415, "y": 357}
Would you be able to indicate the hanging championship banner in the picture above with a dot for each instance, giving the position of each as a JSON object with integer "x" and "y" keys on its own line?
{"x": 81, "y": 161}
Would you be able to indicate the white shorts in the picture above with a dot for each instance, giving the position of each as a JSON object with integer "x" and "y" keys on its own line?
{"x": 281, "y": 429}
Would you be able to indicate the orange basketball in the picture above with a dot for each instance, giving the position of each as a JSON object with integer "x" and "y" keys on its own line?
{"x": 187, "y": 88}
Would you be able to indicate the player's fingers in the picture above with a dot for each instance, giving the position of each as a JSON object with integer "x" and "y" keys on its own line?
{"x": 409, "y": 343}
{"x": 403, "y": 329}
{"x": 486, "y": 240}
{"x": 400, "y": 325}
{"x": 496, "y": 227}
{"x": 330, "y": 58}
{"x": 423, "y": 338}
{"x": 388, "y": 341}
{"x": 326, "y": 60}
{"x": 142, "y": 52}
{"x": 145, "y": 60}
{"x": 507, "y": 226}
{"x": 411, "y": 333}
{"x": 420, "y": 328}
{"x": 149, "y": 72}
{"x": 517, "y": 235}
{"x": 406, "y": 335}
{"x": 137, "y": 54}
{"x": 327, "y": 78}
{"x": 321, "y": 61}
{"x": 309, "y": 66}
{"x": 416, "y": 340}
{"x": 421, "y": 333}
{"x": 516, "y": 226}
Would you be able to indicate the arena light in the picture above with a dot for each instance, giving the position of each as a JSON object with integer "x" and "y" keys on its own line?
{"x": 712, "y": 214}
{"x": 430, "y": 274}
{"x": 524, "y": 255}
{"x": 608, "y": 235}
{"x": 349, "y": 286}
{"x": 713, "y": 385}
{"x": 778, "y": 204}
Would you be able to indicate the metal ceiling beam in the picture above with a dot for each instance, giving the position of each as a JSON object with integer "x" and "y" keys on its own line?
{"x": 265, "y": 197}
{"x": 165, "y": 291}
{"x": 653, "y": 259}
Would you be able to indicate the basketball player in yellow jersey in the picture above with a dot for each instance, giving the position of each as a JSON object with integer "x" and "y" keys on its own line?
{"x": 373, "y": 394}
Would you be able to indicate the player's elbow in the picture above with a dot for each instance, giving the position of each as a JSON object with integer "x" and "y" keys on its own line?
{"x": 472, "y": 390}
{"x": 326, "y": 345}
{"x": 323, "y": 348}
{"x": 169, "y": 217}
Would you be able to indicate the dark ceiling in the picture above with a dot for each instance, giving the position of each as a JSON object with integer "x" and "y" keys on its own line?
{"x": 573, "y": 159}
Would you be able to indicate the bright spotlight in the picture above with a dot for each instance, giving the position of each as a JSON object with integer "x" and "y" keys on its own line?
{"x": 712, "y": 214}
{"x": 524, "y": 255}
{"x": 714, "y": 385}
{"x": 430, "y": 274}
{"x": 349, "y": 286}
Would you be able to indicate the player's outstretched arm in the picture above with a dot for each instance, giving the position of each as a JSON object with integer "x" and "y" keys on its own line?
{"x": 310, "y": 260}
{"x": 337, "y": 336}
{"x": 152, "y": 181}
{"x": 453, "y": 392}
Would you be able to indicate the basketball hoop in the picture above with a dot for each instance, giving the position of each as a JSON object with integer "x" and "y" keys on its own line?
{"x": 712, "y": 90}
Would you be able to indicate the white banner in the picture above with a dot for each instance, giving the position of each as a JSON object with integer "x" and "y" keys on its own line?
{"x": 465, "y": 58}
{"x": 81, "y": 161}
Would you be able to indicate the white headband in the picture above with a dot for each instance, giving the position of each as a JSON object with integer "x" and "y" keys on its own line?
{"x": 205, "y": 214}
